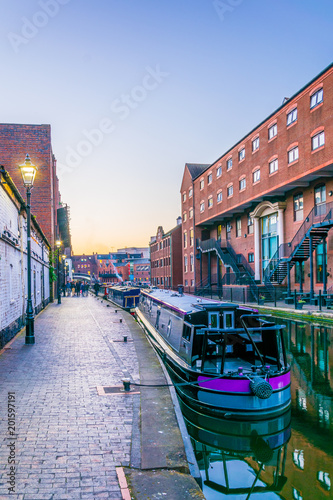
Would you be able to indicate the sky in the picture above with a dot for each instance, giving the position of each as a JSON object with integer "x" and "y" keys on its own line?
{"x": 133, "y": 90}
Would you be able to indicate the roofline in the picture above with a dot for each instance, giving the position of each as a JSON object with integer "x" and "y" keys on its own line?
{"x": 287, "y": 103}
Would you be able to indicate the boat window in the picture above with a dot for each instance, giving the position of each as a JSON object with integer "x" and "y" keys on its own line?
{"x": 169, "y": 328}
{"x": 187, "y": 332}
{"x": 158, "y": 318}
{"x": 213, "y": 320}
{"x": 228, "y": 320}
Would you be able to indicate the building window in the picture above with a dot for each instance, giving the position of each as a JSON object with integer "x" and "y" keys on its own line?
{"x": 190, "y": 213}
{"x": 191, "y": 237}
{"x": 242, "y": 184}
{"x": 192, "y": 282}
{"x": 186, "y": 282}
{"x": 202, "y": 206}
{"x": 256, "y": 175}
{"x": 229, "y": 164}
{"x": 292, "y": 116}
{"x": 202, "y": 184}
{"x": 251, "y": 257}
{"x": 230, "y": 191}
{"x": 190, "y": 193}
{"x": 184, "y": 217}
{"x": 318, "y": 140}
{"x": 272, "y": 131}
{"x": 218, "y": 171}
{"x": 191, "y": 262}
{"x": 320, "y": 199}
{"x": 219, "y": 197}
{"x": 185, "y": 263}
{"x": 209, "y": 179}
{"x": 228, "y": 229}
{"x": 316, "y": 98}
{"x": 293, "y": 155}
{"x": 210, "y": 202}
{"x": 238, "y": 227}
{"x": 255, "y": 144}
{"x": 241, "y": 154}
{"x": 273, "y": 166}
{"x": 185, "y": 239}
{"x": 298, "y": 207}
{"x": 249, "y": 224}
{"x": 184, "y": 197}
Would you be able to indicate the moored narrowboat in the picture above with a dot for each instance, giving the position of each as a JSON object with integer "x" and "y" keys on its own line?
{"x": 126, "y": 297}
{"x": 223, "y": 358}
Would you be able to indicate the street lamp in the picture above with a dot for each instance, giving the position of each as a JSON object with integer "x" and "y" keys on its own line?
{"x": 58, "y": 245}
{"x": 28, "y": 171}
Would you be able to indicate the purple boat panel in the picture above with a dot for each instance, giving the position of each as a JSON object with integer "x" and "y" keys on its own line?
{"x": 241, "y": 385}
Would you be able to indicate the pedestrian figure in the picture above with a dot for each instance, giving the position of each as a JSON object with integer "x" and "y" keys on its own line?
{"x": 68, "y": 289}
{"x": 73, "y": 288}
{"x": 77, "y": 288}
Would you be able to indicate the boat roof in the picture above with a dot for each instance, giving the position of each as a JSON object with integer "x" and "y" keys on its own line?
{"x": 186, "y": 303}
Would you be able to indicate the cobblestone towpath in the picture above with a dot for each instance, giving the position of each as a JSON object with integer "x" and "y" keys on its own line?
{"x": 64, "y": 440}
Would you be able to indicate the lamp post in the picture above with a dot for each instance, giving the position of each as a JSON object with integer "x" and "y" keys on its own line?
{"x": 58, "y": 245}
{"x": 28, "y": 171}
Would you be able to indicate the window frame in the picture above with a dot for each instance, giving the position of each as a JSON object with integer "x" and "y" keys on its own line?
{"x": 274, "y": 128}
{"x": 275, "y": 161}
{"x": 315, "y": 94}
{"x": 292, "y": 156}
{"x": 293, "y": 114}
{"x": 319, "y": 134}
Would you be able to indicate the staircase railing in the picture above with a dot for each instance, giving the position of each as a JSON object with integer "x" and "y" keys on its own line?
{"x": 317, "y": 215}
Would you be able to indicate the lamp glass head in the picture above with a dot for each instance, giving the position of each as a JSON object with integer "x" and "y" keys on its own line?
{"x": 28, "y": 171}
{"x": 58, "y": 243}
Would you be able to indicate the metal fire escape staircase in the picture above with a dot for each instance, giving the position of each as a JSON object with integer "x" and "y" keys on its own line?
{"x": 316, "y": 227}
{"x": 242, "y": 273}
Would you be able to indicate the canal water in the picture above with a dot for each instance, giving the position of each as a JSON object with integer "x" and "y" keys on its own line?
{"x": 289, "y": 457}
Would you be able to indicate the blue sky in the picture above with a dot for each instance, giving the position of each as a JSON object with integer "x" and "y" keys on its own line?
{"x": 135, "y": 89}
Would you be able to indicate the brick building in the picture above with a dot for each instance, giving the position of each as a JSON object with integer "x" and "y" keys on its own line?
{"x": 263, "y": 209}
{"x": 141, "y": 271}
{"x": 165, "y": 257}
{"x": 13, "y": 261}
{"x": 85, "y": 264}
{"x": 17, "y": 140}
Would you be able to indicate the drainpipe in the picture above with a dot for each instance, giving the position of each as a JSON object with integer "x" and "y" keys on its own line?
{"x": 209, "y": 269}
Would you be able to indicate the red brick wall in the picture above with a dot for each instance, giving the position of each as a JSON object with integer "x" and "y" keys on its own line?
{"x": 16, "y": 141}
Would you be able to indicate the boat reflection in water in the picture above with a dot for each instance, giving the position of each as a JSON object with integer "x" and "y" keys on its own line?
{"x": 239, "y": 459}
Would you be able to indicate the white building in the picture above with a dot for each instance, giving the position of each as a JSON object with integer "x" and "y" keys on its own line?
{"x": 13, "y": 261}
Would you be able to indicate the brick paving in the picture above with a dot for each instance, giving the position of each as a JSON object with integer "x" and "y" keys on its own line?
{"x": 69, "y": 439}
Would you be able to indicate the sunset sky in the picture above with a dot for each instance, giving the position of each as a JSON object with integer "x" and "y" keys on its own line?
{"x": 135, "y": 89}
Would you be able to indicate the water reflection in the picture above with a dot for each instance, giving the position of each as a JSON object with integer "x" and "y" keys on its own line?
{"x": 276, "y": 459}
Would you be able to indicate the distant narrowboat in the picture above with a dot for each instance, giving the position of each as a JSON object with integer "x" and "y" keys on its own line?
{"x": 126, "y": 297}
{"x": 223, "y": 358}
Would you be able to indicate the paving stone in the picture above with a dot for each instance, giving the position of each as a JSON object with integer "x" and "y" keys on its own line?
{"x": 70, "y": 439}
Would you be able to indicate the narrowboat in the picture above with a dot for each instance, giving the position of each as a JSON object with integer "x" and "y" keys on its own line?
{"x": 223, "y": 358}
{"x": 126, "y": 297}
